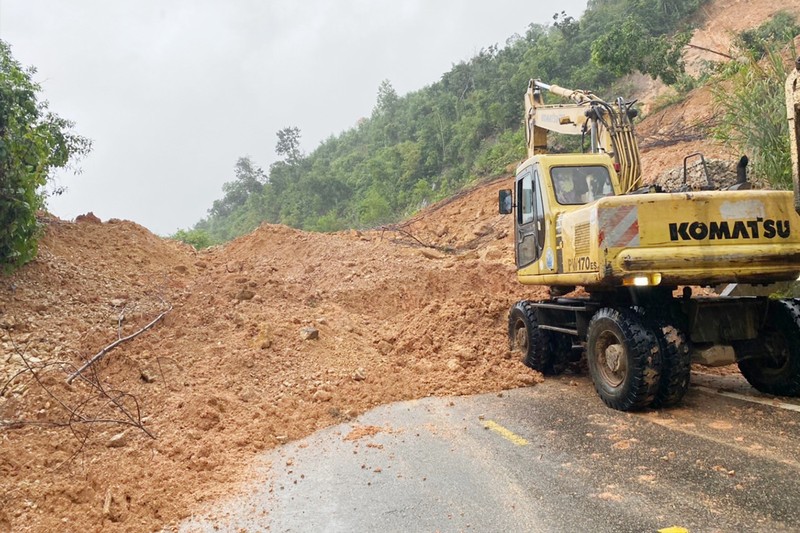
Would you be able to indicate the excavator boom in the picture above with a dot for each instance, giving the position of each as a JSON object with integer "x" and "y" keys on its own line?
{"x": 609, "y": 126}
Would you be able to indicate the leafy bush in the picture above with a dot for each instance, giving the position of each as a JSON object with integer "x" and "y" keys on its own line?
{"x": 33, "y": 142}
{"x": 758, "y": 42}
{"x": 750, "y": 101}
{"x": 196, "y": 237}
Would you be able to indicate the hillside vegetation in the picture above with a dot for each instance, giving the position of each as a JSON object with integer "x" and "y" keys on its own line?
{"x": 420, "y": 147}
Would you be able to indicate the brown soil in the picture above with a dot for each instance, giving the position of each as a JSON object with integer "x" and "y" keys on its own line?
{"x": 270, "y": 337}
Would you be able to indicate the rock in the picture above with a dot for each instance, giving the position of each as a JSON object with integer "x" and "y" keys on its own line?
{"x": 493, "y": 254}
{"x": 431, "y": 253}
{"x": 181, "y": 269}
{"x": 359, "y": 375}
{"x": 119, "y": 440}
{"x": 384, "y": 347}
{"x": 88, "y": 217}
{"x": 482, "y": 230}
{"x": 245, "y": 294}
{"x": 148, "y": 375}
{"x": 117, "y": 302}
{"x": 201, "y": 264}
{"x": 309, "y": 334}
{"x": 322, "y": 396}
{"x": 469, "y": 356}
{"x": 453, "y": 365}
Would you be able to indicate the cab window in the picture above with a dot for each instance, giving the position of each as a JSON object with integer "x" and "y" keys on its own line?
{"x": 525, "y": 195}
{"x": 575, "y": 185}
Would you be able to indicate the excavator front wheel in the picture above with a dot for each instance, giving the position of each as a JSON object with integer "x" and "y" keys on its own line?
{"x": 525, "y": 336}
{"x": 778, "y": 370}
{"x": 624, "y": 359}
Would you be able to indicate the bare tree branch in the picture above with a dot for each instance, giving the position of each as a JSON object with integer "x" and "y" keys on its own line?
{"x": 114, "y": 344}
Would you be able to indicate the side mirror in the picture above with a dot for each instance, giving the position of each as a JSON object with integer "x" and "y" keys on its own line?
{"x": 505, "y": 202}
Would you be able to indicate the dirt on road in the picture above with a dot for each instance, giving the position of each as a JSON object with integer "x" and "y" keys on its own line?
{"x": 265, "y": 340}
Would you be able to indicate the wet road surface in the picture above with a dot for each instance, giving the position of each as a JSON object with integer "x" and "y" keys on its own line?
{"x": 546, "y": 458}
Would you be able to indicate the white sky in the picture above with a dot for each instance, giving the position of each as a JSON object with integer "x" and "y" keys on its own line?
{"x": 172, "y": 92}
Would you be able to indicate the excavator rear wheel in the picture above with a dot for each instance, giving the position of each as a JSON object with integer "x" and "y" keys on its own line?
{"x": 778, "y": 371}
{"x": 624, "y": 359}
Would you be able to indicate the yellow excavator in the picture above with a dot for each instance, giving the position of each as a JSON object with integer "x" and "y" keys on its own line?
{"x": 585, "y": 219}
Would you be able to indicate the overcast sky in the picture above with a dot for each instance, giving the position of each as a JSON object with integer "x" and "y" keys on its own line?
{"x": 172, "y": 92}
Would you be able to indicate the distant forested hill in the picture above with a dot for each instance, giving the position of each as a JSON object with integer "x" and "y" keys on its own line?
{"x": 422, "y": 146}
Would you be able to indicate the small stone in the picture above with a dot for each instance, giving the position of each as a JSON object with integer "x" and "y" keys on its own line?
{"x": 117, "y": 302}
{"x": 181, "y": 269}
{"x": 453, "y": 365}
{"x": 245, "y": 294}
{"x": 119, "y": 440}
{"x": 431, "y": 253}
{"x": 322, "y": 396}
{"x": 148, "y": 375}
{"x": 468, "y": 355}
{"x": 360, "y": 374}
{"x": 309, "y": 334}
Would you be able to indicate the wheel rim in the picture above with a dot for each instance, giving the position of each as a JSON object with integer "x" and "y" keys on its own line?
{"x": 612, "y": 361}
{"x": 777, "y": 351}
{"x": 521, "y": 336}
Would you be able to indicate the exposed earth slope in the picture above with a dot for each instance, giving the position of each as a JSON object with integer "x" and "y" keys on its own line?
{"x": 269, "y": 338}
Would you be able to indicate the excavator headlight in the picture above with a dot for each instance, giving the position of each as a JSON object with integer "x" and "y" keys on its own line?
{"x": 642, "y": 280}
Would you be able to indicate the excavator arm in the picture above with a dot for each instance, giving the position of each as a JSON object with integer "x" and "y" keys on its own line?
{"x": 610, "y": 127}
{"x": 793, "y": 112}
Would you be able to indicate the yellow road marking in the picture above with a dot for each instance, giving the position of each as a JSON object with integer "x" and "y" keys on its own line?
{"x": 505, "y": 433}
{"x": 674, "y": 529}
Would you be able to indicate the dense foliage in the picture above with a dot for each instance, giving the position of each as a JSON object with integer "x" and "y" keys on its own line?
{"x": 752, "y": 88}
{"x": 420, "y": 147}
{"x": 33, "y": 142}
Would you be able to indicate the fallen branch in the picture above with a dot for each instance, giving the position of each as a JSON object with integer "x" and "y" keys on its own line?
{"x": 710, "y": 50}
{"x": 113, "y": 345}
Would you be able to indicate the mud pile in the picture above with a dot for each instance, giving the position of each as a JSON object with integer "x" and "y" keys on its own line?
{"x": 265, "y": 340}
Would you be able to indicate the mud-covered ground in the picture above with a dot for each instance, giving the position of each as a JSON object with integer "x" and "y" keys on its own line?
{"x": 265, "y": 340}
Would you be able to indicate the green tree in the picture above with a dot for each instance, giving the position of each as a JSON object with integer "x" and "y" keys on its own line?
{"x": 33, "y": 143}
{"x": 249, "y": 180}
{"x": 289, "y": 145}
{"x": 629, "y": 47}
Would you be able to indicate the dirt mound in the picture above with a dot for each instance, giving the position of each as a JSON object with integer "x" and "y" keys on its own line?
{"x": 273, "y": 336}
{"x": 268, "y": 338}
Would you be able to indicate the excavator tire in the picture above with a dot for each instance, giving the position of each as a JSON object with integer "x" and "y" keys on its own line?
{"x": 676, "y": 364}
{"x": 560, "y": 348}
{"x": 524, "y": 335}
{"x": 779, "y": 371}
{"x": 624, "y": 359}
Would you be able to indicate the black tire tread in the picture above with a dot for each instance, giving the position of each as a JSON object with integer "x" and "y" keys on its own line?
{"x": 676, "y": 364}
{"x": 537, "y": 357}
{"x": 784, "y": 316}
{"x": 640, "y": 389}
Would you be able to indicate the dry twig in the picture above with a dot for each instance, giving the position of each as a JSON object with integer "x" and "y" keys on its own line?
{"x": 99, "y": 355}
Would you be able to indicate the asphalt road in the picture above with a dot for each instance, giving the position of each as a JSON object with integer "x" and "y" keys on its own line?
{"x": 546, "y": 458}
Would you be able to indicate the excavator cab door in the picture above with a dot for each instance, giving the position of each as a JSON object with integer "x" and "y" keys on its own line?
{"x": 529, "y": 219}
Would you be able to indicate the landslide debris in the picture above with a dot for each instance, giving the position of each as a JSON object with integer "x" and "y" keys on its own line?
{"x": 271, "y": 337}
